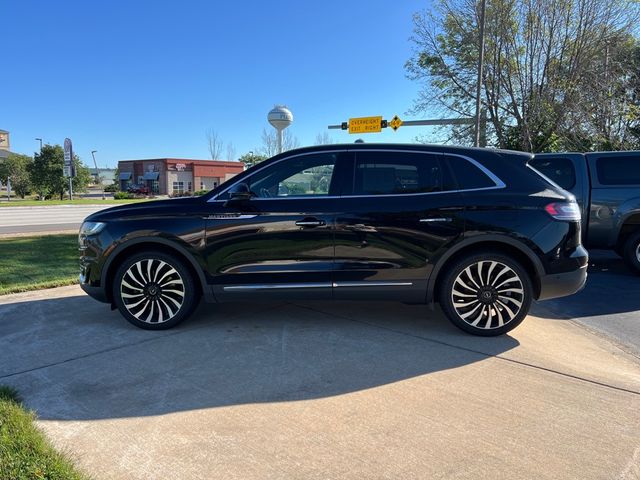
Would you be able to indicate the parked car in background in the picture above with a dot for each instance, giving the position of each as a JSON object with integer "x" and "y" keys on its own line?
{"x": 474, "y": 229}
{"x": 606, "y": 185}
{"x": 138, "y": 189}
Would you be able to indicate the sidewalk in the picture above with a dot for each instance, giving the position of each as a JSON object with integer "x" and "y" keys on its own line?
{"x": 316, "y": 390}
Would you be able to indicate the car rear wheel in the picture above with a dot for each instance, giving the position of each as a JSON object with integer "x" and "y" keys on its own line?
{"x": 154, "y": 290}
{"x": 486, "y": 294}
{"x": 632, "y": 251}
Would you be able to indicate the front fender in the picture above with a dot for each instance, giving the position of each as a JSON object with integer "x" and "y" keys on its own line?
{"x": 623, "y": 213}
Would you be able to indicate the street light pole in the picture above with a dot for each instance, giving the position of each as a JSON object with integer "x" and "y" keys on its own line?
{"x": 483, "y": 7}
{"x": 40, "y": 140}
{"x": 98, "y": 179}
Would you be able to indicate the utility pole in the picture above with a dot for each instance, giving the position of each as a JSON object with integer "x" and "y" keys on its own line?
{"x": 483, "y": 7}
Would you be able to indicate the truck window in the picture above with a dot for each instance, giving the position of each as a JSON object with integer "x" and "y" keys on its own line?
{"x": 622, "y": 170}
{"x": 559, "y": 170}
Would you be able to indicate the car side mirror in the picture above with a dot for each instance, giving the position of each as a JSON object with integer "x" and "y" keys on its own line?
{"x": 239, "y": 193}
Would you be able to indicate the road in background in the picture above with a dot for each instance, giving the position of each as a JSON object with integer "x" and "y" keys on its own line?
{"x": 46, "y": 218}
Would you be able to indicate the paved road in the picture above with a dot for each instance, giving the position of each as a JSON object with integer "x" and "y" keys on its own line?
{"x": 320, "y": 390}
{"x": 42, "y": 219}
{"x": 609, "y": 303}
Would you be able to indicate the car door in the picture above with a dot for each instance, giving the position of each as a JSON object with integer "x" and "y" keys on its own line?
{"x": 392, "y": 222}
{"x": 278, "y": 243}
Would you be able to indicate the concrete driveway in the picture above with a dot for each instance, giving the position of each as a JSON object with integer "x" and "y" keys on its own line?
{"x": 320, "y": 390}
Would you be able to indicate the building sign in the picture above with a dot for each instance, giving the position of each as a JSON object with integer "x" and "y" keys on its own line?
{"x": 181, "y": 167}
{"x": 68, "y": 169}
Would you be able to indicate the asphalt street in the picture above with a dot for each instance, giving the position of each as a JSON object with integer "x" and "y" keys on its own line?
{"x": 609, "y": 304}
{"x": 43, "y": 219}
{"x": 320, "y": 390}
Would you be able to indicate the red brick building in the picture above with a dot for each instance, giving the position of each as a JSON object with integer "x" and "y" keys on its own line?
{"x": 166, "y": 176}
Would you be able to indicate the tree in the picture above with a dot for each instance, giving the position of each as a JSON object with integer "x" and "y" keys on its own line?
{"x": 269, "y": 146}
{"x": 541, "y": 59}
{"x": 46, "y": 172}
{"x": 16, "y": 169}
{"x": 250, "y": 159}
{"x": 215, "y": 144}
{"x": 231, "y": 151}
{"x": 323, "y": 139}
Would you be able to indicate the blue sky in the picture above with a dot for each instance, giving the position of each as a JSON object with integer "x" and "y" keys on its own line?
{"x": 142, "y": 79}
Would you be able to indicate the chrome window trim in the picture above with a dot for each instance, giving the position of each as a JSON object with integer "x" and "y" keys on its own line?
{"x": 278, "y": 286}
{"x": 499, "y": 184}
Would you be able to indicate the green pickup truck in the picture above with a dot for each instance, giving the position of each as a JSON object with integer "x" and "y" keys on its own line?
{"x": 607, "y": 188}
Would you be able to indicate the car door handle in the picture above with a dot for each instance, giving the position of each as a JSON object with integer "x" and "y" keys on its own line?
{"x": 436, "y": 219}
{"x": 310, "y": 222}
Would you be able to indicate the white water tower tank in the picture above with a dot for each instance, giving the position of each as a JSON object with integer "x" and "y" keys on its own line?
{"x": 280, "y": 117}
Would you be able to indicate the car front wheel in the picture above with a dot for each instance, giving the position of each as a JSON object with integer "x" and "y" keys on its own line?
{"x": 154, "y": 291}
{"x": 486, "y": 294}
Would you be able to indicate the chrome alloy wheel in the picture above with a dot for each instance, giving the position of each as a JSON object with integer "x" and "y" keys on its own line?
{"x": 638, "y": 252}
{"x": 152, "y": 291}
{"x": 487, "y": 294}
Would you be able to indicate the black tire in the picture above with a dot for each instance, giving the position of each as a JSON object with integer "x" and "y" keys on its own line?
{"x": 154, "y": 290}
{"x": 486, "y": 303}
{"x": 632, "y": 251}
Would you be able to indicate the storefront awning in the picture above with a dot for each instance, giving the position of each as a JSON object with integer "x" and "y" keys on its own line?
{"x": 151, "y": 176}
{"x": 125, "y": 176}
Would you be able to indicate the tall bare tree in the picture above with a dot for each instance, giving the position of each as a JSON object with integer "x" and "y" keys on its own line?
{"x": 324, "y": 139}
{"x": 214, "y": 143}
{"x": 231, "y": 151}
{"x": 269, "y": 146}
{"x": 539, "y": 59}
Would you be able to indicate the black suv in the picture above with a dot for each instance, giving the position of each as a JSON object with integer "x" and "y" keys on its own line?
{"x": 477, "y": 230}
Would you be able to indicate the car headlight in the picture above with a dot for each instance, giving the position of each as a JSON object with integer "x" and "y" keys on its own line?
{"x": 91, "y": 228}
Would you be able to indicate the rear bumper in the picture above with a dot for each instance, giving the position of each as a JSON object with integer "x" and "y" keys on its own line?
{"x": 562, "y": 284}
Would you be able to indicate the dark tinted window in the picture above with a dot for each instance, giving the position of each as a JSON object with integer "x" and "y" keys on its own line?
{"x": 558, "y": 170}
{"x": 383, "y": 173}
{"x": 619, "y": 170}
{"x": 467, "y": 175}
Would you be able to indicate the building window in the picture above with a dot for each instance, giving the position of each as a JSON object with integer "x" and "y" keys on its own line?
{"x": 189, "y": 186}
{"x": 155, "y": 186}
{"x": 201, "y": 185}
{"x": 178, "y": 188}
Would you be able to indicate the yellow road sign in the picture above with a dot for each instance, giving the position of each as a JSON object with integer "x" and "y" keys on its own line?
{"x": 365, "y": 124}
{"x": 395, "y": 123}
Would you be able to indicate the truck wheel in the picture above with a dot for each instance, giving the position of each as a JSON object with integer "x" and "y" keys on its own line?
{"x": 154, "y": 291}
{"x": 486, "y": 294}
{"x": 632, "y": 251}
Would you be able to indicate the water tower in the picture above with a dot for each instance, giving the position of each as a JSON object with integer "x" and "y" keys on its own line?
{"x": 280, "y": 117}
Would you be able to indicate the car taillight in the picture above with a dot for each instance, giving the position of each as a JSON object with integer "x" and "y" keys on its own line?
{"x": 564, "y": 211}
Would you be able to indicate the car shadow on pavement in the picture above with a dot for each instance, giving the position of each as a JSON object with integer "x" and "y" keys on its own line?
{"x": 611, "y": 288}
{"x": 74, "y": 359}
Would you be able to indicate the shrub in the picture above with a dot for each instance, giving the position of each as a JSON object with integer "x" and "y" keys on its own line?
{"x": 199, "y": 193}
{"x": 111, "y": 188}
{"x": 123, "y": 196}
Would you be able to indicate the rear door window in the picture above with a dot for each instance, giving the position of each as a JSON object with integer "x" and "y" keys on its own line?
{"x": 622, "y": 170}
{"x": 397, "y": 173}
{"x": 557, "y": 169}
{"x": 467, "y": 175}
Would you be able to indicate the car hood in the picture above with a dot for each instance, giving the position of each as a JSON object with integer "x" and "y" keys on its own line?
{"x": 170, "y": 207}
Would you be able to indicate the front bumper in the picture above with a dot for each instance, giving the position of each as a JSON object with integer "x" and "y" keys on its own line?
{"x": 562, "y": 284}
{"x": 95, "y": 292}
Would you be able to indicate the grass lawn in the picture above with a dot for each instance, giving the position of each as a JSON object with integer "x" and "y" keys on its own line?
{"x": 29, "y": 263}
{"x": 82, "y": 201}
{"x": 24, "y": 451}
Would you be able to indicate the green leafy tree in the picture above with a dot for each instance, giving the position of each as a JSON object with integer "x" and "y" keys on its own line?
{"x": 555, "y": 73}
{"x": 47, "y": 173}
{"x": 250, "y": 159}
{"x": 16, "y": 168}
